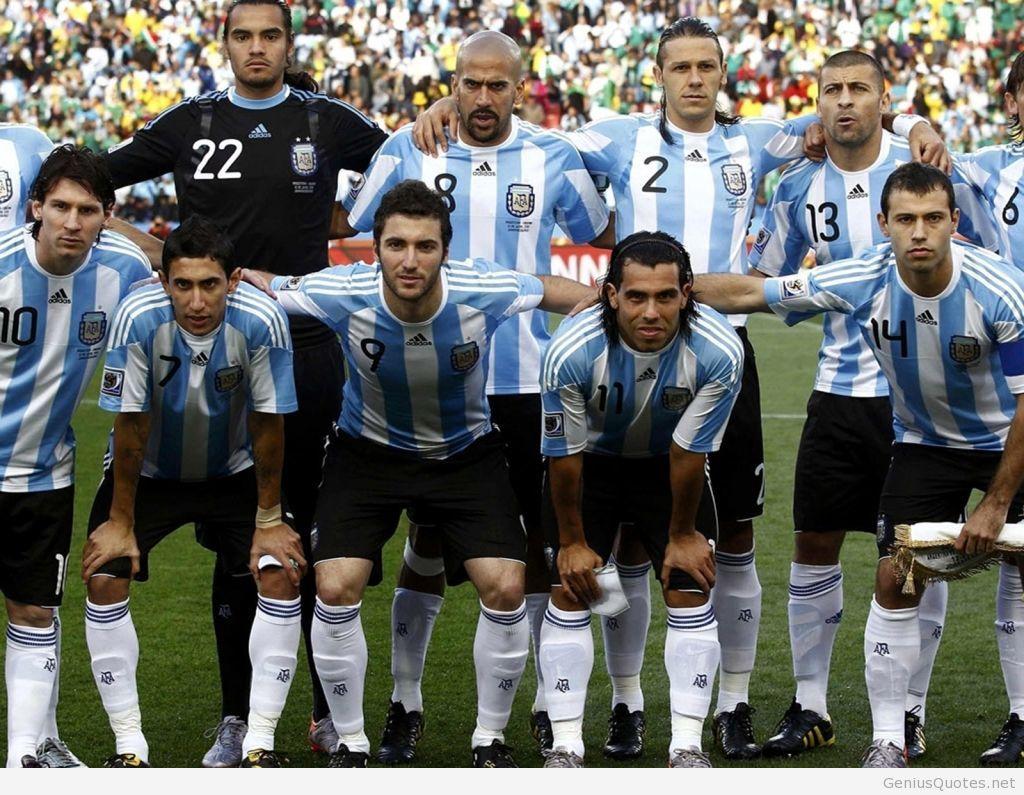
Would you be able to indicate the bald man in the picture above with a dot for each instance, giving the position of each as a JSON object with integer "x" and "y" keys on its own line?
{"x": 506, "y": 184}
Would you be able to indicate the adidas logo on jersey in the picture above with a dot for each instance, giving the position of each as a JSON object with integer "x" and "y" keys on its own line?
{"x": 259, "y": 131}
{"x": 483, "y": 170}
{"x": 419, "y": 339}
{"x": 201, "y": 359}
{"x": 646, "y": 375}
{"x": 927, "y": 318}
{"x": 59, "y": 297}
{"x": 857, "y": 193}
{"x": 696, "y": 157}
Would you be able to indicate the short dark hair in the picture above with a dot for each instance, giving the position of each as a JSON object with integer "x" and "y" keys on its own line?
{"x": 78, "y": 164}
{"x": 693, "y": 28}
{"x": 296, "y": 78}
{"x": 919, "y": 179}
{"x": 411, "y": 197}
{"x": 198, "y": 238}
{"x": 1014, "y": 80}
{"x": 846, "y": 58}
{"x": 646, "y": 248}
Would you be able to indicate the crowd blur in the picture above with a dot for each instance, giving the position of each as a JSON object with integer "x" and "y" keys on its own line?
{"x": 92, "y": 71}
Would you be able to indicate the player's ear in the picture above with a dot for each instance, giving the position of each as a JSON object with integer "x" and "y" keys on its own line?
{"x": 162, "y": 273}
{"x": 956, "y": 218}
{"x": 37, "y": 210}
{"x": 883, "y": 225}
{"x": 612, "y": 295}
{"x": 233, "y": 279}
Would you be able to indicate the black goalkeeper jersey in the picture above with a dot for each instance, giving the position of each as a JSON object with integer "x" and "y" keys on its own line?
{"x": 265, "y": 170}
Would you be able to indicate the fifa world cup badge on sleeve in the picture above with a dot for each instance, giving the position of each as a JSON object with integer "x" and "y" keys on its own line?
{"x": 554, "y": 424}
{"x": 762, "y": 240}
{"x": 113, "y": 382}
{"x": 794, "y": 287}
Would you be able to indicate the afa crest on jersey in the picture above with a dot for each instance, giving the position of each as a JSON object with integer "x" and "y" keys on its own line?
{"x": 6, "y": 186}
{"x": 92, "y": 328}
{"x": 735, "y": 179}
{"x": 304, "y": 161}
{"x": 465, "y": 356}
{"x": 676, "y": 398}
{"x": 519, "y": 200}
{"x": 228, "y": 378}
{"x": 964, "y": 350}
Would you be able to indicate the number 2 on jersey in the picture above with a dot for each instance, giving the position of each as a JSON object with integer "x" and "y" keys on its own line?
{"x": 208, "y": 147}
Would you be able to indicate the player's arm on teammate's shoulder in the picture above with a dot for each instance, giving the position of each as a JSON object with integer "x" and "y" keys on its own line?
{"x": 730, "y": 293}
{"x": 984, "y": 523}
{"x": 561, "y": 295}
{"x": 272, "y": 536}
{"x": 340, "y": 227}
{"x": 428, "y": 133}
{"x": 687, "y": 550}
{"x": 152, "y": 247}
{"x": 926, "y": 145}
{"x": 607, "y": 237}
{"x": 115, "y": 538}
{"x": 576, "y": 561}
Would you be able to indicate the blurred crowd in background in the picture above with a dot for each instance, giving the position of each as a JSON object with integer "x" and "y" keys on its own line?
{"x": 92, "y": 71}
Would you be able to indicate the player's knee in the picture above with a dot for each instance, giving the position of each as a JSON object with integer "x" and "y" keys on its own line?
{"x": 504, "y": 591}
{"x": 675, "y": 598}
{"x": 736, "y": 537}
{"x": 106, "y": 590}
{"x": 630, "y": 551}
{"x": 818, "y": 549}
{"x": 25, "y": 615}
{"x": 561, "y": 599}
{"x": 889, "y": 588}
{"x": 333, "y": 592}
{"x": 274, "y": 584}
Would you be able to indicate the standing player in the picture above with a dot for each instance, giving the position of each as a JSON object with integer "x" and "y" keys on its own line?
{"x": 637, "y": 392}
{"x": 415, "y": 432}
{"x": 261, "y": 159}
{"x": 60, "y": 281}
{"x": 946, "y": 323}
{"x": 830, "y": 207}
{"x": 998, "y": 172}
{"x": 506, "y": 184}
{"x": 206, "y": 365}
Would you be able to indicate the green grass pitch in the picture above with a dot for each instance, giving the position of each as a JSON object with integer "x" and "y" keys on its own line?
{"x": 177, "y": 670}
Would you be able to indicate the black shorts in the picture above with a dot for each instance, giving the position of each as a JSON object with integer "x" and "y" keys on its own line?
{"x": 467, "y": 496}
{"x": 636, "y": 494}
{"x": 226, "y": 508}
{"x": 518, "y": 419}
{"x": 737, "y": 469}
{"x": 36, "y": 540}
{"x": 845, "y": 449}
{"x": 933, "y": 484}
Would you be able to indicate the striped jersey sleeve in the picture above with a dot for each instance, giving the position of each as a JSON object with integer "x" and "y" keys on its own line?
{"x": 270, "y": 378}
{"x": 777, "y": 142}
{"x": 329, "y": 295}
{"x": 839, "y": 287}
{"x": 23, "y": 148}
{"x": 126, "y": 373}
{"x": 781, "y": 244}
{"x": 385, "y": 171}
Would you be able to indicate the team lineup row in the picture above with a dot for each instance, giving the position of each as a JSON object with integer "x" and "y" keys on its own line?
{"x": 644, "y": 407}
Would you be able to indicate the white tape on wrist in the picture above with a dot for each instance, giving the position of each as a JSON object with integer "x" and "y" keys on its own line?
{"x": 905, "y": 122}
{"x": 268, "y": 517}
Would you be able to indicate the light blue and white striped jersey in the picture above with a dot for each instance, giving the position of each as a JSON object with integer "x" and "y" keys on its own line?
{"x": 198, "y": 390}
{"x": 820, "y": 207}
{"x": 954, "y": 362}
{"x": 23, "y": 148}
{"x": 417, "y": 387}
{"x": 505, "y": 201}
{"x": 700, "y": 189}
{"x": 613, "y": 400}
{"x": 998, "y": 173}
{"x": 52, "y": 330}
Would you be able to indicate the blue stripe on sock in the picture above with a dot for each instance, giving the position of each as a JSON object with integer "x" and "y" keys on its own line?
{"x": 105, "y": 614}
{"x": 817, "y": 588}
{"x": 729, "y": 559}
{"x": 16, "y": 635}
{"x": 279, "y": 610}
{"x": 705, "y": 619}
{"x": 567, "y": 623}
{"x": 506, "y": 620}
{"x": 335, "y": 618}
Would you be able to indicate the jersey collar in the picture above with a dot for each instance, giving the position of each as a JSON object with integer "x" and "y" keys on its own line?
{"x": 681, "y": 133}
{"x": 440, "y": 308}
{"x": 957, "y": 254}
{"x": 512, "y": 135}
{"x": 259, "y": 104}
{"x": 30, "y": 252}
{"x": 883, "y": 153}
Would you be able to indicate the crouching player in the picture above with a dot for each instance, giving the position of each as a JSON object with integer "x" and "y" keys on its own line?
{"x": 199, "y": 369}
{"x": 637, "y": 391}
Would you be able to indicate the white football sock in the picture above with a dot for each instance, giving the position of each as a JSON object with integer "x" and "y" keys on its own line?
{"x": 339, "y": 652}
{"x": 29, "y": 670}
{"x": 500, "y": 649}
{"x": 625, "y": 637}
{"x": 412, "y": 621}
{"x": 49, "y": 728}
{"x": 567, "y": 659}
{"x": 815, "y": 610}
{"x": 1010, "y": 634}
{"x": 737, "y": 600}
{"x": 931, "y": 615}
{"x": 692, "y": 656}
{"x": 273, "y": 650}
{"x": 892, "y": 646}
{"x": 536, "y": 604}
{"x": 114, "y": 649}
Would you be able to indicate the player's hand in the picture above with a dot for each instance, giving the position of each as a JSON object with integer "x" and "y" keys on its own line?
{"x": 284, "y": 545}
{"x": 258, "y": 280}
{"x": 927, "y": 146}
{"x": 690, "y": 552}
{"x": 981, "y": 530}
{"x": 586, "y": 303}
{"x": 109, "y": 541}
{"x": 814, "y": 142}
{"x": 428, "y": 133}
{"x": 576, "y": 564}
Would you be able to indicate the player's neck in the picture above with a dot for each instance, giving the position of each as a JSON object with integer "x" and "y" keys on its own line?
{"x": 854, "y": 158}
{"x": 928, "y": 284}
{"x": 419, "y": 311}
{"x": 696, "y": 126}
{"x": 54, "y": 263}
{"x": 251, "y": 92}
